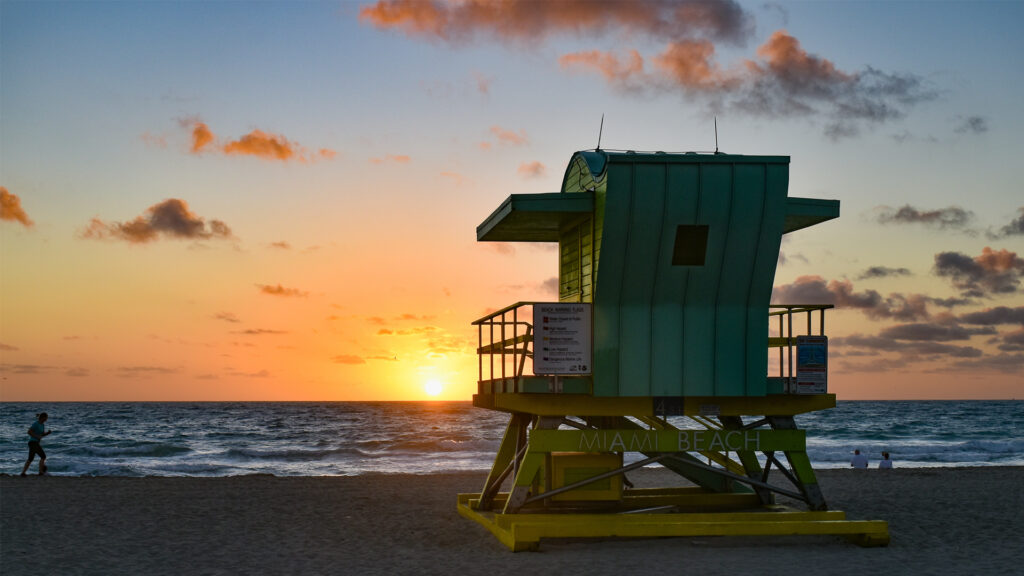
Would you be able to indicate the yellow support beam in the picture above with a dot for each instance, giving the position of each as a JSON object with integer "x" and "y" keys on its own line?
{"x": 524, "y": 531}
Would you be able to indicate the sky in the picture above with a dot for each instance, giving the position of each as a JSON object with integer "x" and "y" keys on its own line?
{"x": 278, "y": 201}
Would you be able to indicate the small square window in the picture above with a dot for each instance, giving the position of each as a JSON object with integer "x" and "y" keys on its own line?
{"x": 691, "y": 245}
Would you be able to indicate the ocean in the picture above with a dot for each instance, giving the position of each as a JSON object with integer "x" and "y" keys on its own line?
{"x": 352, "y": 438}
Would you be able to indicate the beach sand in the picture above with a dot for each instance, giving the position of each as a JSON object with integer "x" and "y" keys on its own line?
{"x": 942, "y": 521}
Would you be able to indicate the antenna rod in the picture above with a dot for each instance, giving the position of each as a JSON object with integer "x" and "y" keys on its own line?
{"x": 716, "y": 134}
{"x": 599, "y": 132}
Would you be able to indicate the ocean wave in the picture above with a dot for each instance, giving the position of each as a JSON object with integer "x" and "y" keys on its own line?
{"x": 153, "y": 450}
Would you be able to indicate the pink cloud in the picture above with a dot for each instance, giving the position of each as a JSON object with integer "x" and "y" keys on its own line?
{"x": 396, "y": 158}
{"x": 532, "y": 169}
{"x": 509, "y": 137}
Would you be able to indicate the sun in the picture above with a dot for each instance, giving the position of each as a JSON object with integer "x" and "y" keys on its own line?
{"x": 433, "y": 387}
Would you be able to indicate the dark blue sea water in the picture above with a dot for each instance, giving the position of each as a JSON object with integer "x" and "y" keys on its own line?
{"x": 350, "y": 438}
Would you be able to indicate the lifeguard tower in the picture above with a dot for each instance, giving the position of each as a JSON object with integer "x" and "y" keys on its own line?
{"x": 663, "y": 347}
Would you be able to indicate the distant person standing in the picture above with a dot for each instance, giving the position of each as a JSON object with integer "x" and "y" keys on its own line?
{"x": 35, "y": 433}
{"x": 886, "y": 463}
{"x": 859, "y": 460}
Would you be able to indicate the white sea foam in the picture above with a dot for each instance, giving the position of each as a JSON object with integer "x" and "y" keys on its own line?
{"x": 348, "y": 438}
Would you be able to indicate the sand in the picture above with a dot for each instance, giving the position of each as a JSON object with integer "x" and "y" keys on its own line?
{"x": 942, "y": 521}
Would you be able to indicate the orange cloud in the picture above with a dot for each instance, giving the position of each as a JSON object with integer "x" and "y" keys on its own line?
{"x": 201, "y": 137}
{"x": 397, "y": 158}
{"x": 794, "y": 67}
{"x": 279, "y": 290}
{"x": 1000, "y": 261}
{"x": 615, "y": 71}
{"x": 261, "y": 144}
{"x": 784, "y": 80}
{"x": 170, "y": 218}
{"x": 532, "y": 169}
{"x": 11, "y": 210}
{"x": 508, "y": 136}
{"x": 256, "y": 143}
{"x": 529, "y": 20}
{"x": 689, "y": 64}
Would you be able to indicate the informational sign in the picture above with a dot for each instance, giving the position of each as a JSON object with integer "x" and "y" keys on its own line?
{"x": 812, "y": 364}
{"x": 563, "y": 339}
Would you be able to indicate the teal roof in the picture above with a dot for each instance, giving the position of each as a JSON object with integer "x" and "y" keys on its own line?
{"x": 804, "y": 212}
{"x": 533, "y": 217}
{"x": 597, "y": 161}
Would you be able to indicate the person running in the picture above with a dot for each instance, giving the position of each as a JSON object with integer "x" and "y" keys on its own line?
{"x": 35, "y": 446}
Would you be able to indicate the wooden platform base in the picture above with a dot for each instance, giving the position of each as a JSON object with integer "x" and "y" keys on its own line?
{"x": 523, "y": 531}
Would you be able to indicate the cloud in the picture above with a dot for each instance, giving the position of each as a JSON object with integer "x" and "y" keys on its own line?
{"x": 883, "y": 272}
{"x": 261, "y": 332}
{"x": 509, "y": 137}
{"x": 261, "y": 144}
{"x": 550, "y": 286}
{"x": 348, "y": 359}
{"x": 985, "y": 275}
{"x": 528, "y": 21}
{"x": 972, "y": 125}
{"x": 227, "y": 317}
{"x": 419, "y": 330}
{"x": 170, "y": 219}
{"x": 994, "y": 316}
{"x": 416, "y": 317}
{"x": 933, "y": 332}
{"x": 783, "y": 81}
{"x": 282, "y": 245}
{"x": 911, "y": 350}
{"x": 257, "y": 374}
{"x": 202, "y": 137}
{"x": 273, "y": 147}
{"x": 144, "y": 371}
{"x": 501, "y": 248}
{"x": 532, "y": 169}
{"x": 626, "y": 73}
{"x": 11, "y": 210}
{"x": 815, "y": 290}
{"x": 1014, "y": 228}
{"x": 396, "y": 158}
{"x": 483, "y": 83}
{"x": 279, "y": 290}
{"x": 154, "y": 140}
{"x": 8, "y": 347}
{"x": 1013, "y": 341}
{"x": 1007, "y": 363}
{"x": 943, "y": 218}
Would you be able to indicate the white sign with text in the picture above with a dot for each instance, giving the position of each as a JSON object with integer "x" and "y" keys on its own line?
{"x": 563, "y": 341}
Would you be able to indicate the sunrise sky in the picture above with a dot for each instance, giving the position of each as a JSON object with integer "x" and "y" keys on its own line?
{"x": 278, "y": 201}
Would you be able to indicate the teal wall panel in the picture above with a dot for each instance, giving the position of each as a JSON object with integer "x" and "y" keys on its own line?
{"x": 731, "y": 330}
{"x": 610, "y": 277}
{"x": 701, "y": 298}
{"x": 667, "y": 306}
{"x": 765, "y": 263}
{"x": 641, "y": 274}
